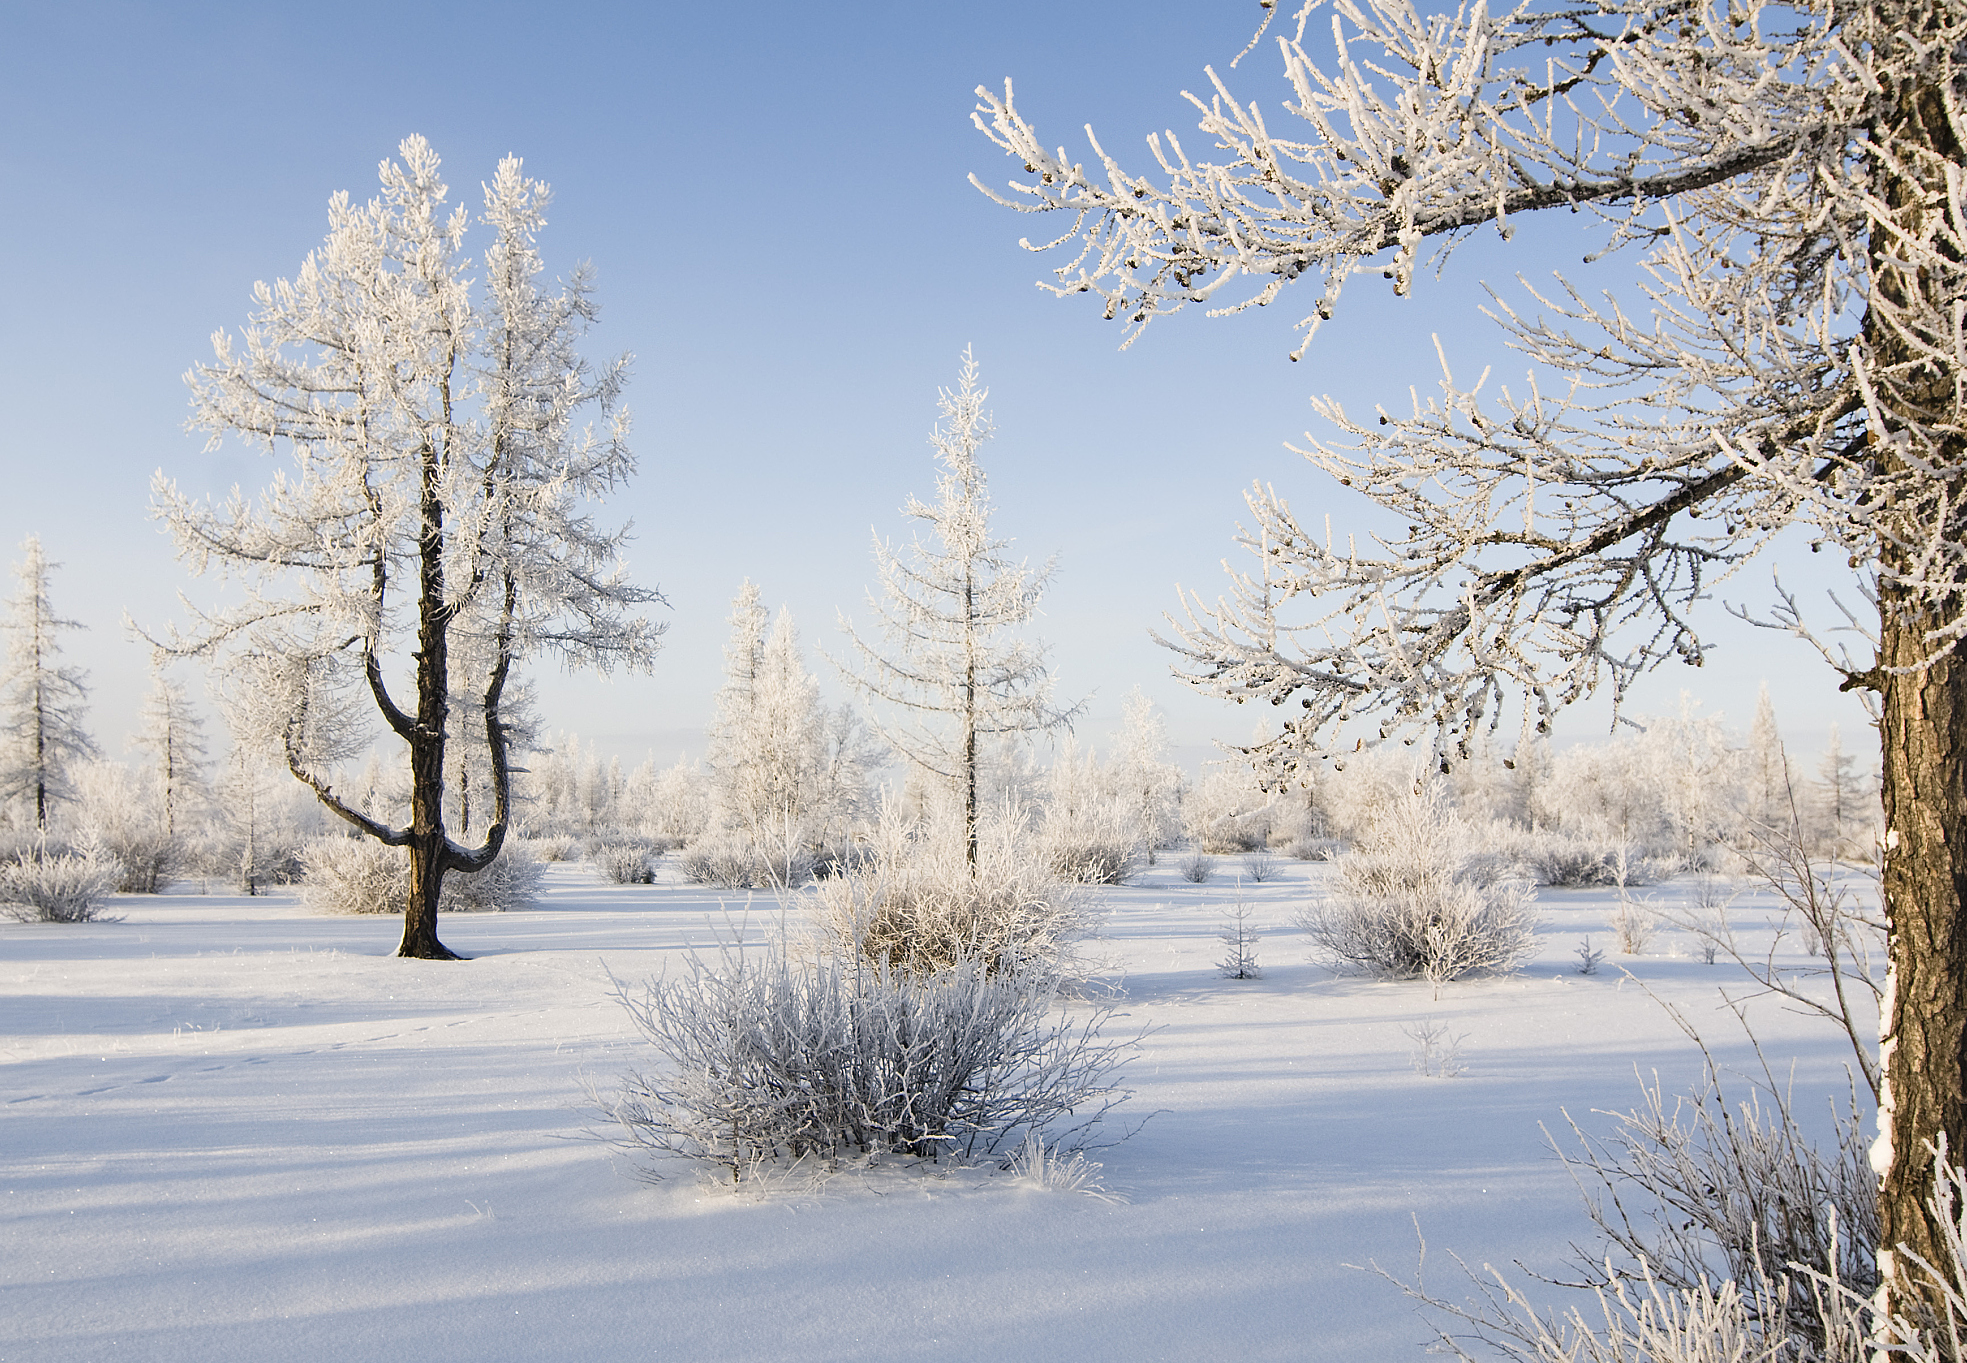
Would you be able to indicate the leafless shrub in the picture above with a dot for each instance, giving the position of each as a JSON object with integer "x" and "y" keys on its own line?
{"x": 56, "y": 887}
{"x": 1701, "y": 1187}
{"x": 1415, "y": 899}
{"x": 1633, "y": 923}
{"x": 1197, "y": 867}
{"x": 919, "y": 907}
{"x": 1313, "y": 848}
{"x": 625, "y": 862}
{"x": 1260, "y": 865}
{"x": 1437, "y": 1053}
{"x": 1090, "y": 859}
{"x": 553, "y": 847}
{"x": 346, "y": 874}
{"x": 1567, "y": 861}
{"x": 734, "y": 862}
{"x": 512, "y": 882}
{"x": 766, "y": 1060}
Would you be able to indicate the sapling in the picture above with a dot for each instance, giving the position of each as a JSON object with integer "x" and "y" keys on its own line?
{"x": 1239, "y": 938}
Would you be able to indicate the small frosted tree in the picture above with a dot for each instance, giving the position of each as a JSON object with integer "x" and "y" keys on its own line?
{"x": 42, "y": 701}
{"x": 951, "y": 669}
{"x": 787, "y": 770}
{"x": 173, "y": 735}
{"x": 441, "y": 488}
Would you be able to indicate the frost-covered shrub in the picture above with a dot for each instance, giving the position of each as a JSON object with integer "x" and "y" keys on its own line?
{"x": 1416, "y": 899}
{"x": 147, "y": 859}
{"x": 344, "y": 874}
{"x": 512, "y": 882}
{"x": 360, "y": 875}
{"x": 1197, "y": 867}
{"x": 1572, "y": 861}
{"x": 553, "y": 847}
{"x": 765, "y": 1059}
{"x": 56, "y": 887}
{"x": 1099, "y": 846}
{"x": 919, "y": 906}
{"x": 734, "y": 862}
{"x": 625, "y": 862}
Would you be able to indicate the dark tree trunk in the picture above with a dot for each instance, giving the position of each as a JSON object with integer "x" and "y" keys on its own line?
{"x": 1924, "y": 739}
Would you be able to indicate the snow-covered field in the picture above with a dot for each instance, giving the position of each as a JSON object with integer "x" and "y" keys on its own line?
{"x": 236, "y": 1130}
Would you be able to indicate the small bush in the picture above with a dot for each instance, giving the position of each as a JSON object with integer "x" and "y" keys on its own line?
{"x": 1415, "y": 899}
{"x": 766, "y": 1060}
{"x": 1197, "y": 867}
{"x": 1095, "y": 844}
{"x": 512, "y": 882}
{"x": 345, "y": 874}
{"x": 624, "y": 863}
{"x": 1093, "y": 861}
{"x": 553, "y": 847}
{"x": 1313, "y": 849}
{"x": 736, "y": 863}
{"x": 1260, "y": 865}
{"x": 919, "y": 907}
{"x": 1633, "y": 924}
{"x": 59, "y": 887}
{"x": 1564, "y": 861}
{"x": 147, "y": 860}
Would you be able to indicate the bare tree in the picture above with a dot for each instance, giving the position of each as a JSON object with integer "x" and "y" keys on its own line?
{"x": 440, "y": 488}
{"x": 954, "y": 669}
{"x": 1791, "y": 183}
{"x": 43, "y": 701}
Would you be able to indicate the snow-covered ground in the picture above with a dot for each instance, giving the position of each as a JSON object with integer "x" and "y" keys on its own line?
{"x": 234, "y": 1130}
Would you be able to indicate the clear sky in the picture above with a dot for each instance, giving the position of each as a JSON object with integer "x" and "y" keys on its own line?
{"x": 775, "y": 197}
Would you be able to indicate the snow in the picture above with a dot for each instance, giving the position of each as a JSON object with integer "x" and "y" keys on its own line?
{"x": 236, "y": 1130}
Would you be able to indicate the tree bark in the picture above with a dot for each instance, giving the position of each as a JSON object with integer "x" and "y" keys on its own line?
{"x": 1923, "y": 1038}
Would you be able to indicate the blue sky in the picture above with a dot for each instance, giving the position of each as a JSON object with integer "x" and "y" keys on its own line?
{"x": 776, "y": 200}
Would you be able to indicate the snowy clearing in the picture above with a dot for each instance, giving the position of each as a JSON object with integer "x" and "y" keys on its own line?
{"x": 237, "y": 1130}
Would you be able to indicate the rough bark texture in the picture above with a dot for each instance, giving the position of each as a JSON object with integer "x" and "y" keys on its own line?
{"x": 1923, "y": 705}
{"x": 1924, "y": 735}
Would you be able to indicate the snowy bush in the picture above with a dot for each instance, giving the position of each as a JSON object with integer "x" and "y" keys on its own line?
{"x": 1569, "y": 860}
{"x": 919, "y": 907}
{"x": 1415, "y": 899}
{"x": 360, "y": 875}
{"x": 767, "y": 1059}
{"x": 1197, "y": 867}
{"x": 553, "y": 847}
{"x": 56, "y": 887}
{"x": 735, "y": 862}
{"x": 512, "y": 882}
{"x": 1096, "y": 845}
{"x": 624, "y": 862}
{"x": 344, "y": 874}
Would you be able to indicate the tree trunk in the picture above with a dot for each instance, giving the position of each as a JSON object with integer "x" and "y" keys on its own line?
{"x": 420, "y": 913}
{"x": 1923, "y": 1037}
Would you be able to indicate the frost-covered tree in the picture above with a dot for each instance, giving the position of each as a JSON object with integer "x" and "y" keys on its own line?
{"x": 1768, "y": 766}
{"x": 1149, "y": 785}
{"x": 787, "y": 770}
{"x": 951, "y": 669}
{"x": 173, "y": 735}
{"x": 442, "y": 473}
{"x": 41, "y": 701}
{"x": 1788, "y": 182}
